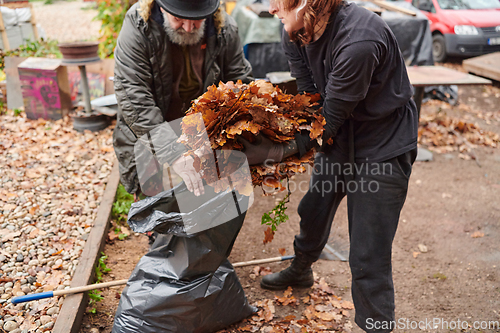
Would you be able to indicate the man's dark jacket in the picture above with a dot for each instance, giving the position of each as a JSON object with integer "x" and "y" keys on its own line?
{"x": 143, "y": 77}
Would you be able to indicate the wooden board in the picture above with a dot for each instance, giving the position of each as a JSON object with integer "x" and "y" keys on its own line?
{"x": 14, "y": 93}
{"x": 486, "y": 65}
{"x": 422, "y": 76}
{"x": 389, "y": 6}
{"x": 73, "y": 308}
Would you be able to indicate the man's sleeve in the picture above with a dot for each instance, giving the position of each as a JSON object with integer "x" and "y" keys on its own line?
{"x": 236, "y": 67}
{"x": 298, "y": 67}
{"x": 134, "y": 81}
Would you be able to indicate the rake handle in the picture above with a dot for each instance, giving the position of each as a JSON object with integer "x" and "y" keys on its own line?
{"x": 48, "y": 294}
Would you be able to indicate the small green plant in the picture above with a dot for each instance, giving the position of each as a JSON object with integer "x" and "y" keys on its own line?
{"x": 277, "y": 215}
{"x": 439, "y": 276}
{"x": 17, "y": 112}
{"x": 3, "y": 108}
{"x": 41, "y": 48}
{"x": 100, "y": 269}
{"x": 122, "y": 203}
{"x": 121, "y": 235}
{"x": 111, "y": 13}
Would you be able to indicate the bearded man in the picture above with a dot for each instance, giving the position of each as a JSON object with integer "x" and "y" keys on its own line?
{"x": 167, "y": 54}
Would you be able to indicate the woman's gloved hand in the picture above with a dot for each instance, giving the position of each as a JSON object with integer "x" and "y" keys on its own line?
{"x": 262, "y": 150}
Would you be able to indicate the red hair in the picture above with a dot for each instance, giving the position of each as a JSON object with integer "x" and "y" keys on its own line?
{"x": 314, "y": 11}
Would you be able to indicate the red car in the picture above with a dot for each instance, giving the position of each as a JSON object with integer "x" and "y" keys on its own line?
{"x": 462, "y": 27}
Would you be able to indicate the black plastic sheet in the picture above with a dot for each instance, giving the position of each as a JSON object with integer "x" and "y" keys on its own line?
{"x": 265, "y": 58}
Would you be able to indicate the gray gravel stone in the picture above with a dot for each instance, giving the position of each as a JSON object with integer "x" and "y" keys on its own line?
{"x": 48, "y": 326}
{"x": 45, "y": 319}
{"x": 53, "y": 311}
{"x": 10, "y": 326}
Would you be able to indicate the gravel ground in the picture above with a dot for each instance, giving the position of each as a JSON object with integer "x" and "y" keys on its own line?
{"x": 68, "y": 21}
{"x": 52, "y": 179}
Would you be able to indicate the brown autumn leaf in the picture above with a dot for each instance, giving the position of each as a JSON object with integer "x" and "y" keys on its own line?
{"x": 287, "y": 298}
{"x": 347, "y": 305}
{"x": 269, "y": 310}
{"x": 477, "y": 234}
{"x": 16, "y": 289}
{"x": 247, "y": 328}
{"x": 317, "y": 127}
{"x": 322, "y": 285}
{"x": 326, "y": 316}
{"x": 268, "y": 235}
{"x": 33, "y": 209}
{"x": 112, "y": 235}
{"x": 232, "y": 109}
{"x": 282, "y": 251}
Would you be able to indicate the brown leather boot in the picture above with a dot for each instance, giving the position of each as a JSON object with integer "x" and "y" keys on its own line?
{"x": 298, "y": 274}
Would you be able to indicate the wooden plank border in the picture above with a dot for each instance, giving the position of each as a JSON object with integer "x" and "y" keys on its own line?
{"x": 70, "y": 317}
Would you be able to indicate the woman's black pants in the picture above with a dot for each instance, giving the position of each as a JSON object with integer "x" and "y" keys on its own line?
{"x": 375, "y": 194}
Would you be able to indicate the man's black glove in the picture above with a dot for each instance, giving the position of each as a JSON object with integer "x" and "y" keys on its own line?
{"x": 261, "y": 150}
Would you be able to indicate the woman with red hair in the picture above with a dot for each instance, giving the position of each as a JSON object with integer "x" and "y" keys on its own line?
{"x": 350, "y": 56}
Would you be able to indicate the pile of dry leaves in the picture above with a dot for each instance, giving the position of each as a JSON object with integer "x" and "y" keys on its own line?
{"x": 235, "y": 109}
{"x": 322, "y": 312}
{"x": 442, "y": 133}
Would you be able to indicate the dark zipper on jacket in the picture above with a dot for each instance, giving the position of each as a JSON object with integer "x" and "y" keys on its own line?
{"x": 217, "y": 47}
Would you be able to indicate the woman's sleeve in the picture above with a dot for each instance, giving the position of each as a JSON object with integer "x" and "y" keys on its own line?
{"x": 348, "y": 83}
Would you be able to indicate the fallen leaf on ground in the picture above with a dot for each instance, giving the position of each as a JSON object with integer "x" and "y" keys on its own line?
{"x": 477, "y": 234}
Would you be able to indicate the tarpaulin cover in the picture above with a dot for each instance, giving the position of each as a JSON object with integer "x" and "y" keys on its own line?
{"x": 415, "y": 42}
{"x": 184, "y": 283}
{"x": 412, "y": 32}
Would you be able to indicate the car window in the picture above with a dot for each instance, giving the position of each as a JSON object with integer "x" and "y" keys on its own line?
{"x": 425, "y": 5}
{"x": 468, "y": 4}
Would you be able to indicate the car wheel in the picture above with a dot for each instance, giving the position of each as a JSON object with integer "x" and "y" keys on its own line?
{"x": 438, "y": 48}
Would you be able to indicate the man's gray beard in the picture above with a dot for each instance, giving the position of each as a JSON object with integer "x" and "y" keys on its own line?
{"x": 180, "y": 36}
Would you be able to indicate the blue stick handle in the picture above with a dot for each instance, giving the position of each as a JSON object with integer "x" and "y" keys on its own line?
{"x": 32, "y": 297}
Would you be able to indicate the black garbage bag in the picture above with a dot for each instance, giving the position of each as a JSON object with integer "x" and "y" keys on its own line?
{"x": 185, "y": 282}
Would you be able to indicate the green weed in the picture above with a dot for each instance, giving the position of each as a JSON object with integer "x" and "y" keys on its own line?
{"x": 439, "y": 276}
{"x": 122, "y": 204}
{"x": 111, "y": 13}
{"x": 100, "y": 269}
{"x": 277, "y": 215}
{"x": 43, "y": 48}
